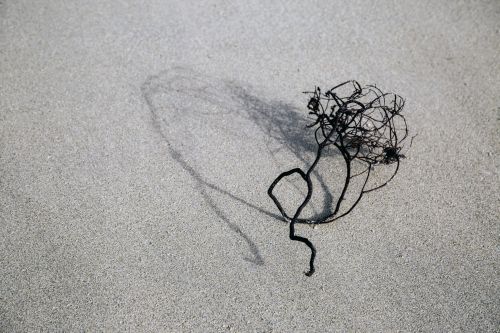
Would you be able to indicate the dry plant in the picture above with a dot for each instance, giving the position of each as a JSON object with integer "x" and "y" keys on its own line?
{"x": 366, "y": 126}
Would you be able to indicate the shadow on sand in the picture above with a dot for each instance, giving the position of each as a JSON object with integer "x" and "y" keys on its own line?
{"x": 205, "y": 121}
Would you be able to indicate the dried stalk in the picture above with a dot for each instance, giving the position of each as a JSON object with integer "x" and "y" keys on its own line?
{"x": 366, "y": 126}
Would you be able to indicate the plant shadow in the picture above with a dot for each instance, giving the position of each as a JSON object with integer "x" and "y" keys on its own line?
{"x": 211, "y": 126}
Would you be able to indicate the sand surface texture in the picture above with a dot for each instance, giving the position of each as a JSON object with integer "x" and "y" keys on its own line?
{"x": 138, "y": 140}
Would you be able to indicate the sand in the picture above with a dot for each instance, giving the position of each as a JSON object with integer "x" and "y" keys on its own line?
{"x": 138, "y": 139}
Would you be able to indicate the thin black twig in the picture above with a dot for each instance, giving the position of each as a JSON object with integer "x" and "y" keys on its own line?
{"x": 366, "y": 126}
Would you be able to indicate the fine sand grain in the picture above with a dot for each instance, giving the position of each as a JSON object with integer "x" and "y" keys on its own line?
{"x": 138, "y": 139}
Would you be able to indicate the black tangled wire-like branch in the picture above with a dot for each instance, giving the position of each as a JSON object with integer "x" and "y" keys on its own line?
{"x": 366, "y": 126}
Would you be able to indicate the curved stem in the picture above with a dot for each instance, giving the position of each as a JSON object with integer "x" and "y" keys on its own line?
{"x": 361, "y": 130}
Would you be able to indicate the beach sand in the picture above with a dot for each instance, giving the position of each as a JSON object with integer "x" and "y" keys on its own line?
{"x": 138, "y": 140}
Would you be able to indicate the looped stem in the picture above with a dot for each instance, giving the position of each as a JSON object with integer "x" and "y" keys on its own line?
{"x": 366, "y": 126}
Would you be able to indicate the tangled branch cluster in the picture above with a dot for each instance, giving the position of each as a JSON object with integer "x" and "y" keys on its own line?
{"x": 366, "y": 126}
